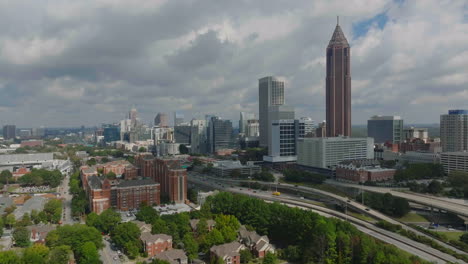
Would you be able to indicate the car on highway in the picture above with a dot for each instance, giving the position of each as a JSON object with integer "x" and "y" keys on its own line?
{"x": 367, "y": 209}
{"x": 276, "y": 193}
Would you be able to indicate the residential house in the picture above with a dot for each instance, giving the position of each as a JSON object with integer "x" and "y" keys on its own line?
{"x": 210, "y": 223}
{"x": 229, "y": 252}
{"x": 173, "y": 256}
{"x": 154, "y": 244}
{"x": 258, "y": 245}
{"x": 39, "y": 232}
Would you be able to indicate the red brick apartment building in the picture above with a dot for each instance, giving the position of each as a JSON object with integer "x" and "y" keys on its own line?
{"x": 168, "y": 172}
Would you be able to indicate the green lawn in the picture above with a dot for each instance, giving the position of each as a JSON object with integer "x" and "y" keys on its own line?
{"x": 412, "y": 218}
{"x": 362, "y": 217}
{"x": 452, "y": 235}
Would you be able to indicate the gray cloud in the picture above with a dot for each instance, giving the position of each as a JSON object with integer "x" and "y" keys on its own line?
{"x": 87, "y": 62}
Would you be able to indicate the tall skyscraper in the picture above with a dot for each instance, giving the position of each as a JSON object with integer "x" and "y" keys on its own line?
{"x": 133, "y": 115}
{"x": 270, "y": 93}
{"x": 338, "y": 85}
{"x": 244, "y": 117}
{"x": 454, "y": 131}
{"x": 219, "y": 134}
{"x": 161, "y": 120}
{"x": 9, "y": 132}
{"x": 385, "y": 129}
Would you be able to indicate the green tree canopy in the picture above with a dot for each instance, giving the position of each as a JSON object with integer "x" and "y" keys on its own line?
{"x": 126, "y": 236}
{"x": 88, "y": 254}
{"x": 21, "y": 236}
{"x": 147, "y": 214}
{"x": 37, "y": 254}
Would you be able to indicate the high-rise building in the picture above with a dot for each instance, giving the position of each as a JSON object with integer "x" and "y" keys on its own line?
{"x": 25, "y": 133}
{"x": 270, "y": 93}
{"x": 321, "y": 130}
{"x": 133, "y": 115}
{"x": 454, "y": 131}
{"x": 178, "y": 118}
{"x": 415, "y": 132}
{"x": 182, "y": 134}
{"x": 253, "y": 128}
{"x": 219, "y": 134}
{"x": 111, "y": 132}
{"x": 198, "y": 136}
{"x": 161, "y": 120}
{"x": 385, "y": 129}
{"x": 326, "y": 153}
{"x": 283, "y": 139}
{"x": 338, "y": 85}
{"x": 243, "y": 121}
{"x": 9, "y": 132}
{"x": 306, "y": 127}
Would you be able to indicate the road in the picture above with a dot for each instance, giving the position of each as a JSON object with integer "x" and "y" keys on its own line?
{"x": 349, "y": 203}
{"x": 64, "y": 190}
{"x": 427, "y": 200}
{"x": 107, "y": 255}
{"x": 401, "y": 242}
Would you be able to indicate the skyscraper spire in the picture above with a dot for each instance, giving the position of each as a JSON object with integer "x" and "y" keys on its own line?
{"x": 338, "y": 84}
{"x": 337, "y": 20}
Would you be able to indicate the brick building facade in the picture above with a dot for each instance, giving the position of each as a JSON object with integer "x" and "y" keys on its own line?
{"x": 363, "y": 171}
{"x": 166, "y": 171}
{"x": 155, "y": 244}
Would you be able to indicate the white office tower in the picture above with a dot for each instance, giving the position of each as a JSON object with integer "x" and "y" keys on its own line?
{"x": 454, "y": 131}
{"x": 328, "y": 152}
{"x": 253, "y": 128}
{"x": 198, "y": 136}
{"x": 282, "y": 144}
{"x": 270, "y": 93}
{"x": 243, "y": 121}
{"x": 306, "y": 127}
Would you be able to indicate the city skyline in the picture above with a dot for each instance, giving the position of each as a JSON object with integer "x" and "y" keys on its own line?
{"x": 67, "y": 64}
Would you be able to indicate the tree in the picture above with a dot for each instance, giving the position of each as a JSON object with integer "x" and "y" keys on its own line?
{"x": 109, "y": 219}
{"x": 6, "y": 176}
{"x": 159, "y": 261}
{"x": 2, "y": 225}
{"x": 93, "y": 220}
{"x": 37, "y": 254}
{"x": 60, "y": 255}
{"x": 183, "y": 149}
{"x": 435, "y": 187}
{"x": 126, "y": 236}
{"x": 10, "y": 220}
{"x": 53, "y": 210}
{"x": 9, "y": 257}
{"x": 74, "y": 236}
{"x": 190, "y": 246}
{"x": 147, "y": 214}
{"x": 111, "y": 175}
{"x": 88, "y": 254}
{"x": 91, "y": 162}
{"x": 142, "y": 149}
{"x": 192, "y": 195}
{"x": 269, "y": 258}
{"x": 159, "y": 227}
{"x": 464, "y": 238}
{"x": 21, "y": 235}
{"x": 245, "y": 256}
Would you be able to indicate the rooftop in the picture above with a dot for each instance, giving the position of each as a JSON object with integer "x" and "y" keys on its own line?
{"x": 172, "y": 256}
{"x": 147, "y": 237}
{"x": 228, "y": 249}
{"x": 133, "y": 183}
{"x": 338, "y": 37}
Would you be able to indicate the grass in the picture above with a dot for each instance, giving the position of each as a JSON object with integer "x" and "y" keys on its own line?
{"x": 412, "y": 218}
{"x": 362, "y": 217}
{"x": 452, "y": 235}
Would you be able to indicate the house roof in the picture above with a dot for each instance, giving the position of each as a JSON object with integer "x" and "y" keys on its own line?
{"x": 227, "y": 250}
{"x": 147, "y": 237}
{"x": 172, "y": 256}
{"x": 144, "y": 227}
{"x": 194, "y": 223}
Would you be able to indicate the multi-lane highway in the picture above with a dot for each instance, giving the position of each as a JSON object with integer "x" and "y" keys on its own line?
{"x": 401, "y": 242}
{"x": 455, "y": 207}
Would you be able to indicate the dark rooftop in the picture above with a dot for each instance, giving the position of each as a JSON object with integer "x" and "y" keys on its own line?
{"x": 132, "y": 183}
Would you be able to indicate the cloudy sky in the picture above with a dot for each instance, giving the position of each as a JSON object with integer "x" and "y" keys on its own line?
{"x": 68, "y": 62}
